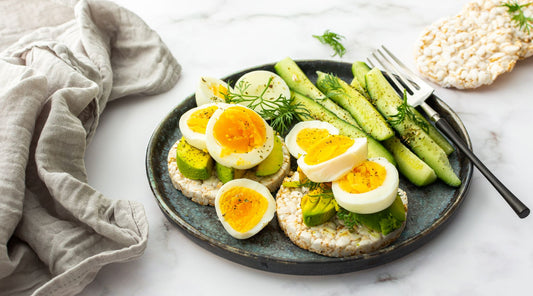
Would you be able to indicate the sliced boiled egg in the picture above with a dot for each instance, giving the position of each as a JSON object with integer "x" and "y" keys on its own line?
{"x": 238, "y": 137}
{"x": 211, "y": 90}
{"x": 369, "y": 188}
{"x": 332, "y": 157}
{"x": 244, "y": 207}
{"x": 305, "y": 134}
{"x": 193, "y": 124}
{"x": 263, "y": 83}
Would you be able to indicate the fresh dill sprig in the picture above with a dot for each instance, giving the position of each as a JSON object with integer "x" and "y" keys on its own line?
{"x": 348, "y": 218}
{"x": 525, "y": 23}
{"x": 324, "y": 194}
{"x": 310, "y": 185}
{"x": 334, "y": 40}
{"x": 404, "y": 111}
{"x": 332, "y": 84}
{"x": 295, "y": 184}
{"x": 286, "y": 115}
{"x": 280, "y": 111}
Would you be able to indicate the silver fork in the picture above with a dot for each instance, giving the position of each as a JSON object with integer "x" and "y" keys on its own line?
{"x": 417, "y": 92}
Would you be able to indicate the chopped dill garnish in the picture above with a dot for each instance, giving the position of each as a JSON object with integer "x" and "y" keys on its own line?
{"x": 525, "y": 23}
{"x": 348, "y": 218}
{"x": 310, "y": 184}
{"x": 333, "y": 40}
{"x": 331, "y": 82}
{"x": 324, "y": 194}
{"x": 281, "y": 112}
{"x": 405, "y": 110}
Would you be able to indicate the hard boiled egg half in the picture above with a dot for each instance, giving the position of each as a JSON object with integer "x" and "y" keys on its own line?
{"x": 238, "y": 137}
{"x": 193, "y": 124}
{"x": 305, "y": 134}
{"x": 368, "y": 188}
{"x": 332, "y": 157}
{"x": 262, "y": 83}
{"x": 211, "y": 90}
{"x": 244, "y": 207}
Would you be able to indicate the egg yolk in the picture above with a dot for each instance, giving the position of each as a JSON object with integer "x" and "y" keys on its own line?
{"x": 307, "y": 137}
{"x": 328, "y": 148}
{"x": 363, "y": 178}
{"x": 218, "y": 90}
{"x": 239, "y": 130}
{"x": 198, "y": 120}
{"x": 242, "y": 208}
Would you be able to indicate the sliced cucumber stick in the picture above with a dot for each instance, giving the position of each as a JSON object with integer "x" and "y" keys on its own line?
{"x": 358, "y": 87}
{"x": 359, "y": 70}
{"x": 297, "y": 81}
{"x": 434, "y": 134}
{"x": 387, "y": 101}
{"x": 410, "y": 165}
{"x": 368, "y": 118}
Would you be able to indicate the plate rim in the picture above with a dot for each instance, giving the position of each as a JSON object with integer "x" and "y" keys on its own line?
{"x": 299, "y": 267}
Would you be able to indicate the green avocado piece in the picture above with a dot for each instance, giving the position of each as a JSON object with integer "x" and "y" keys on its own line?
{"x": 397, "y": 209}
{"x": 192, "y": 162}
{"x": 318, "y": 206}
{"x": 224, "y": 173}
{"x": 385, "y": 221}
{"x": 273, "y": 162}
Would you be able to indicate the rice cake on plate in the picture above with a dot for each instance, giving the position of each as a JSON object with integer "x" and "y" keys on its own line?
{"x": 332, "y": 238}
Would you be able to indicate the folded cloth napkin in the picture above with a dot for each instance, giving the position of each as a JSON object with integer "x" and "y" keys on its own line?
{"x": 56, "y": 231}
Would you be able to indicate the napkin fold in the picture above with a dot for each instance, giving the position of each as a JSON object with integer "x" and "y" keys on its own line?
{"x": 56, "y": 231}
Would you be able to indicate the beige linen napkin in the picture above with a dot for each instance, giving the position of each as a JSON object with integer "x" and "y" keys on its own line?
{"x": 56, "y": 231}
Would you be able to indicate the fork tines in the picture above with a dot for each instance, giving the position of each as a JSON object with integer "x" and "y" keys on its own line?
{"x": 399, "y": 74}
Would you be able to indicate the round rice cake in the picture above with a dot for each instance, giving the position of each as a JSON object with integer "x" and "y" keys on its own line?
{"x": 332, "y": 238}
{"x": 204, "y": 191}
{"x": 474, "y": 47}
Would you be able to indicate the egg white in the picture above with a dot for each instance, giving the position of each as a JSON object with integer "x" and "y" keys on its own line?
{"x": 237, "y": 160}
{"x": 257, "y": 81}
{"x": 332, "y": 169}
{"x": 290, "y": 140}
{"x": 195, "y": 139}
{"x": 372, "y": 201}
{"x": 256, "y": 186}
{"x": 204, "y": 92}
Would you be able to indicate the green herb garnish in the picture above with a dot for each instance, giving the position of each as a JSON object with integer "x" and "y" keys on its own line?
{"x": 405, "y": 110}
{"x": 333, "y": 86}
{"x": 333, "y": 40}
{"x": 325, "y": 194}
{"x": 308, "y": 183}
{"x": 348, "y": 218}
{"x": 281, "y": 112}
{"x": 331, "y": 82}
{"x": 525, "y": 23}
{"x": 286, "y": 115}
{"x": 382, "y": 221}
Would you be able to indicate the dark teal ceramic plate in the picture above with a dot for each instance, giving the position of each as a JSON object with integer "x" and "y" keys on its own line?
{"x": 430, "y": 208}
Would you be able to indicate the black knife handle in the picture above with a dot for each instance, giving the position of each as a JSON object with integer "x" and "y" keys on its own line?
{"x": 520, "y": 208}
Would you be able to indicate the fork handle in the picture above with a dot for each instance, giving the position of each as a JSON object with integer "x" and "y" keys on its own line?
{"x": 520, "y": 208}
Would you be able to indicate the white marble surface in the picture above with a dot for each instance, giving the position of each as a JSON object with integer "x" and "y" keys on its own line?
{"x": 485, "y": 250}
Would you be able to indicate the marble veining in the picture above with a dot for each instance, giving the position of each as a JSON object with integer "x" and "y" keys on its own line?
{"x": 484, "y": 250}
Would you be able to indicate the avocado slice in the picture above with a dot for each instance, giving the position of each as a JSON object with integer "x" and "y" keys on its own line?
{"x": 318, "y": 206}
{"x": 273, "y": 162}
{"x": 192, "y": 162}
{"x": 224, "y": 173}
